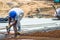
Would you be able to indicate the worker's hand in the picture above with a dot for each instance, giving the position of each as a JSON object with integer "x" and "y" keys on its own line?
{"x": 8, "y": 25}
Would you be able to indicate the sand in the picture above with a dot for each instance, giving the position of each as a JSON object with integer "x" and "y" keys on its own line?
{"x": 31, "y": 5}
{"x": 51, "y": 35}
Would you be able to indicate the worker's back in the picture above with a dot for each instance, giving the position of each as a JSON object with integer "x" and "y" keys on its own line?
{"x": 17, "y": 10}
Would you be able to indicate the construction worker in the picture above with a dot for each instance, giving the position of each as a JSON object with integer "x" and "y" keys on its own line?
{"x": 57, "y": 13}
{"x": 15, "y": 16}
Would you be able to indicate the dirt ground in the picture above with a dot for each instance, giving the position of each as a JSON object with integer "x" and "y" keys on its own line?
{"x": 52, "y": 35}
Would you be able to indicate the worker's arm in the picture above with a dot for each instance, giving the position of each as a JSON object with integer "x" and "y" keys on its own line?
{"x": 14, "y": 23}
{"x": 9, "y": 19}
{"x": 21, "y": 15}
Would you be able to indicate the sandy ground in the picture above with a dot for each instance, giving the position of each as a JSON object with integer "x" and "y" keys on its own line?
{"x": 51, "y": 35}
{"x": 31, "y": 5}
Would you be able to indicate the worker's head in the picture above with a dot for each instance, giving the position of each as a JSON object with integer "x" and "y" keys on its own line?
{"x": 12, "y": 14}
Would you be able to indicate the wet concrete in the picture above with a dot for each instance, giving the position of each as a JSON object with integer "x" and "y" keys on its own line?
{"x": 2, "y": 36}
{"x": 34, "y": 25}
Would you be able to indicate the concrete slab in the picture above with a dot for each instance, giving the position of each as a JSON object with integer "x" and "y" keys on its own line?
{"x": 35, "y": 24}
